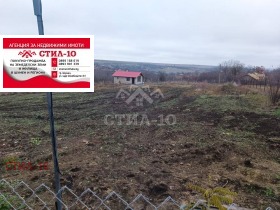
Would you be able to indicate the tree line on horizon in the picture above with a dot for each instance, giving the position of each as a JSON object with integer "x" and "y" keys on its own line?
{"x": 227, "y": 71}
{"x": 231, "y": 71}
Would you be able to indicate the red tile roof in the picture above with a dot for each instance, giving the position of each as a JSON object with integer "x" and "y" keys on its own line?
{"x": 132, "y": 74}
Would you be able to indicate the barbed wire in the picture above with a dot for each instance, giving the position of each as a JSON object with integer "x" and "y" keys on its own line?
{"x": 20, "y": 196}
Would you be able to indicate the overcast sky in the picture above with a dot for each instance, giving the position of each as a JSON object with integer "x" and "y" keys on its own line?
{"x": 161, "y": 31}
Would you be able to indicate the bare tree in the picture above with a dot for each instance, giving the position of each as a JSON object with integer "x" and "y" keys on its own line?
{"x": 274, "y": 86}
{"x": 231, "y": 69}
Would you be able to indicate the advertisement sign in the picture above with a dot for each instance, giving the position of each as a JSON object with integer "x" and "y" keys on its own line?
{"x": 47, "y": 63}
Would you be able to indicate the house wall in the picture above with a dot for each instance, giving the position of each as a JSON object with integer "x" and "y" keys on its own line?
{"x": 139, "y": 82}
{"x": 123, "y": 80}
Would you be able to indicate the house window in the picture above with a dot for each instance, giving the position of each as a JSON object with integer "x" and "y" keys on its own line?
{"x": 139, "y": 79}
{"x": 127, "y": 79}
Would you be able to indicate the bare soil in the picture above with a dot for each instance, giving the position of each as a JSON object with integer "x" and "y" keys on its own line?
{"x": 218, "y": 140}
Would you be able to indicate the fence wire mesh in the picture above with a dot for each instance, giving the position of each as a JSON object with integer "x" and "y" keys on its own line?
{"x": 20, "y": 196}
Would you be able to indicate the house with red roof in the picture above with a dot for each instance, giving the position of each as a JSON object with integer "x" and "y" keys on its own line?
{"x": 128, "y": 77}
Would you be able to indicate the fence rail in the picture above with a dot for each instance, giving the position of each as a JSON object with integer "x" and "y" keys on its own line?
{"x": 20, "y": 196}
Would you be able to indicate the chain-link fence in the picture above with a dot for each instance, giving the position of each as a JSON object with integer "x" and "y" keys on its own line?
{"x": 20, "y": 196}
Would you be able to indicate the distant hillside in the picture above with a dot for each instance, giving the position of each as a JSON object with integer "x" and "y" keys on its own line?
{"x": 168, "y": 68}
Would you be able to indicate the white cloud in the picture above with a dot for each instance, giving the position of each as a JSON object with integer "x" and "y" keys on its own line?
{"x": 167, "y": 31}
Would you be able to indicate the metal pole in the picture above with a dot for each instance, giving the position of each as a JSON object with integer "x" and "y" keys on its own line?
{"x": 40, "y": 24}
{"x": 54, "y": 149}
{"x": 38, "y": 12}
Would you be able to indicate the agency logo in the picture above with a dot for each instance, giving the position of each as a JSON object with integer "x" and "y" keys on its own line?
{"x": 26, "y": 53}
{"x": 139, "y": 95}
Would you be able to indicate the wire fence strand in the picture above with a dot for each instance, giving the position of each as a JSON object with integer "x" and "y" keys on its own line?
{"x": 20, "y": 196}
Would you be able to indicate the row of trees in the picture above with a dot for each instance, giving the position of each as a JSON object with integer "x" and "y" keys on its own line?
{"x": 104, "y": 74}
{"x": 227, "y": 71}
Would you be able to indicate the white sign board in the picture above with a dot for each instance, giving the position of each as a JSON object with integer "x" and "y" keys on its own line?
{"x": 47, "y": 63}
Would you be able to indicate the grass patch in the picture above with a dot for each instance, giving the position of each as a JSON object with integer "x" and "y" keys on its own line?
{"x": 222, "y": 104}
{"x": 277, "y": 112}
{"x": 168, "y": 103}
{"x": 269, "y": 192}
{"x": 237, "y": 135}
{"x": 9, "y": 159}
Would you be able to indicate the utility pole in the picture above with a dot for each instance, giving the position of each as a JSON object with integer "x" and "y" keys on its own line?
{"x": 220, "y": 71}
{"x": 38, "y": 12}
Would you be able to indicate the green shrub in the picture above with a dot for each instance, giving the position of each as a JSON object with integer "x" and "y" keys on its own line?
{"x": 215, "y": 197}
{"x": 36, "y": 141}
{"x": 6, "y": 200}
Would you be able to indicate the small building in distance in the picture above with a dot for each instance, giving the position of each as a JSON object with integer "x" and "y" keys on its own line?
{"x": 252, "y": 77}
{"x": 128, "y": 77}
